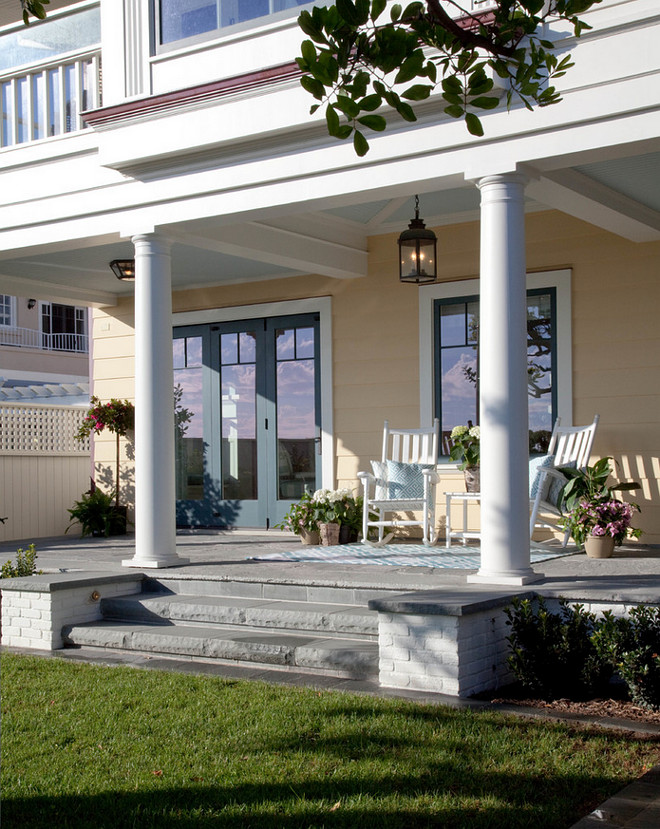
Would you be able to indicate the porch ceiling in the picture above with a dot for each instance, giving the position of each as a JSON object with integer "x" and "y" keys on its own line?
{"x": 621, "y": 195}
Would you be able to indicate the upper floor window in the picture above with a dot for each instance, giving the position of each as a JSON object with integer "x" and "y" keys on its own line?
{"x": 46, "y": 41}
{"x": 182, "y": 19}
{"x": 6, "y": 309}
{"x": 63, "y": 327}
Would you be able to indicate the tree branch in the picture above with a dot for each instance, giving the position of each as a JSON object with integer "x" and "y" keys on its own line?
{"x": 464, "y": 34}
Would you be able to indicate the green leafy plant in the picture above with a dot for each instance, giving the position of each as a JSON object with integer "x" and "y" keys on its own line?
{"x": 465, "y": 445}
{"x": 300, "y": 517}
{"x": 632, "y": 646}
{"x": 590, "y": 484}
{"x": 552, "y": 654}
{"x": 34, "y": 8}
{"x": 360, "y": 57}
{"x": 97, "y": 514}
{"x": 25, "y": 564}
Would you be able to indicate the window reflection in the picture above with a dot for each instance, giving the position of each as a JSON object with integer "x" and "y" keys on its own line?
{"x": 188, "y": 418}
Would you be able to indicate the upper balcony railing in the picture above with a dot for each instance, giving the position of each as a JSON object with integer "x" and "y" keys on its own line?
{"x": 47, "y": 99}
{"x": 29, "y": 338}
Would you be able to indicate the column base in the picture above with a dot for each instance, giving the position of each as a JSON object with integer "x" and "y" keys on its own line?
{"x": 515, "y": 579}
{"x": 155, "y": 563}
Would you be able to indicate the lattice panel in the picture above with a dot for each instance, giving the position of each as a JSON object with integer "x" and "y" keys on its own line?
{"x": 44, "y": 430}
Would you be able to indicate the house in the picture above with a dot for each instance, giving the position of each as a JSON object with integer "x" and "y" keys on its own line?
{"x": 266, "y": 266}
{"x": 44, "y": 352}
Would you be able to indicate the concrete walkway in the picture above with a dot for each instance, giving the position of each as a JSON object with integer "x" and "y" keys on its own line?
{"x": 632, "y": 575}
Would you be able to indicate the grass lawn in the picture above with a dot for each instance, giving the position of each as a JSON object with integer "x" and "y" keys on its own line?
{"x": 90, "y": 746}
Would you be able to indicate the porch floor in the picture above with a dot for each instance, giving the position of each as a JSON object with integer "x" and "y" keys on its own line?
{"x": 631, "y": 575}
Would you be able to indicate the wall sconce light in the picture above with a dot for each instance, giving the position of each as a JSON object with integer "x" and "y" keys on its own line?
{"x": 417, "y": 252}
{"x": 31, "y": 303}
{"x": 123, "y": 268}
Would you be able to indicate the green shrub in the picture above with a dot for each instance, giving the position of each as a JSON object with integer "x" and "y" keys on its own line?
{"x": 552, "y": 654}
{"x": 25, "y": 564}
{"x": 632, "y": 646}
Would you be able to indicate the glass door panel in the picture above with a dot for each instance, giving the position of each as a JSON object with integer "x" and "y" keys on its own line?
{"x": 238, "y": 377}
{"x": 296, "y": 412}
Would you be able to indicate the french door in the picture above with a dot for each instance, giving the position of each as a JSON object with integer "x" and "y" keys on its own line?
{"x": 247, "y": 418}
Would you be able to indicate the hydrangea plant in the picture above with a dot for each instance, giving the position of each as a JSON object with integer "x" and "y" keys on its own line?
{"x": 465, "y": 445}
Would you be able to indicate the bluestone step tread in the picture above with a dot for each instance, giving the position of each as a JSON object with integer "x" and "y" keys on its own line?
{"x": 238, "y": 610}
{"x": 351, "y": 657}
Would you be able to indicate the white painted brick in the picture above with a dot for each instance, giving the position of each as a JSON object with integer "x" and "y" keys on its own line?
{"x": 41, "y": 624}
{"x": 432, "y": 683}
{"x": 39, "y": 602}
{"x": 398, "y": 654}
{"x": 28, "y": 613}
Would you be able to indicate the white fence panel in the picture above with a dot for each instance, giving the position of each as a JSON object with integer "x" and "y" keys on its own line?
{"x": 43, "y": 469}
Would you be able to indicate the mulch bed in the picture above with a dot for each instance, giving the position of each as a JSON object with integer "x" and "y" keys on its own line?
{"x": 618, "y": 707}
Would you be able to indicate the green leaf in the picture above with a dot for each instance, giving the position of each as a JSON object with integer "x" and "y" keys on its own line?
{"x": 377, "y": 8}
{"x": 473, "y": 124}
{"x": 418, "y": 92}
{"x": 347, "y": 106}
{"x": 452, "y": 85}
{"x": 370, "y": 103}
{"x": 410, "y": 68}
{"x": 360, "y": 144}
{"x": 406, "y": 111}
{"x": 348, "y": 11}
{"x": 313, "y": 86}
{"x": 375, "y": 122}
{"x": 411, "y": 10}
{"x": 332, "y": 120}
{"x": 344, "y": 131}
{"x": 395, "y": 12}
{"x": 455, "y": 111}
{"x": 309, "y": 27}
{"x": 308, "y": 51}
{"x": 485, "y": 103}
{"x": 362, "y": 10}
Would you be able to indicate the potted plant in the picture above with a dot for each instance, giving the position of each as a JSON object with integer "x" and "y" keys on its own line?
{"x": 465, "y": 448}
{"x": 301, "y": 520}
{"x": 97, "y": 514}
{"x": 595, "y": 518}
{"x": 117, "y": 416}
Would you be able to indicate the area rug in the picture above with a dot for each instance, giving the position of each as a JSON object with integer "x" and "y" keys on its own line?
{"x": 399, "y": 555}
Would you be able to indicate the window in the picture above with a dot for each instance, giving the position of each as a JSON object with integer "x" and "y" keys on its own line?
{"x": 457, "y": 363}
{"x": 63, "y": 327}
{"x": 449, "y": 326}
{"x": 182, "y": 19}
{"x": 6, "y": 309}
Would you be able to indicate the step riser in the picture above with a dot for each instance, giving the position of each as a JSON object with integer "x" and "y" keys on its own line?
{"x": 155, "y": 611}
{"x": 357, "y": 660}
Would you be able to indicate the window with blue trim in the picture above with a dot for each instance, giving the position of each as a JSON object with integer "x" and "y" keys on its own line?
{"x": 456, "y": 331}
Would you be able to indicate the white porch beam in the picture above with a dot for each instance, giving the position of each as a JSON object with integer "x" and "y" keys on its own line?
{"x": 54, "y": 292}
{"x": 284, "y": 248}
{"x": 505, "y": 557}
{"x": 155, "y": 499}
{"x": 579, "y": 195}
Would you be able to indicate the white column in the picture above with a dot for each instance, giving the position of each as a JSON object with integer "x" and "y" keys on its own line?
{"x": 155, "y": 521}
{"x": 503, "y": 384}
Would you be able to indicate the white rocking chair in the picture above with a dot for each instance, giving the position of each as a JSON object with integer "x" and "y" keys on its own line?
{"x": 404, "y": 480}
{"x": 569, "y": 446}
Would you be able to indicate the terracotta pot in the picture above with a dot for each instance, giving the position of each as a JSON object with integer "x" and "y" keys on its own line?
{"x": 599, "y": 546}
{"x": 329, "y": 534}
{"x": 472, "y": 479}
{"x": 307, "y": 537}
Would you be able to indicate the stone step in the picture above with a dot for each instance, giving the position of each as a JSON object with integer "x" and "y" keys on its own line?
{"x": 276, "y": 615}
{"x": 335, "y": 655}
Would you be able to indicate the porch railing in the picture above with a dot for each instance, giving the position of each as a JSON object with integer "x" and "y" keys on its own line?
{"x": 46, "y": 100}
{"x": 29, "y": 338}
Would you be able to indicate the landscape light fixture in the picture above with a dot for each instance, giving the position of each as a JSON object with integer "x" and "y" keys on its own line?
{"x": 123, "y": 268}
{"x": 417, "y": 252}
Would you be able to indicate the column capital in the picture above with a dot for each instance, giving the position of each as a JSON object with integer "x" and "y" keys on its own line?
{"x": 151, "y": 243}
{"x": 519, "y": 180}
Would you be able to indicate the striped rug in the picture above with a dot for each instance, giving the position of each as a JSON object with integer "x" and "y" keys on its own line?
{"x": 400, "y": 555}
